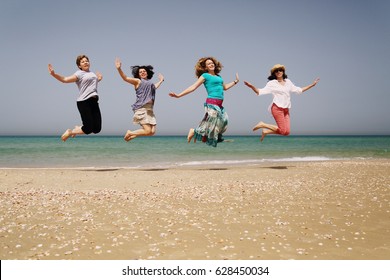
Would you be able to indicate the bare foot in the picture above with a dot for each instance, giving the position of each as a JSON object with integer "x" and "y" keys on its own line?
{"x": 258, "y": 126}
{"x": 263, "y": 134}
{"x": 66, "y": 135}
{"x": 191, "y": 134}
{"x": 129, "y": 136}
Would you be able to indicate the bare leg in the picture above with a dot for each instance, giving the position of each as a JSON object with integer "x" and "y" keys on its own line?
{"x": 265, "y": 133}
{"x": 265, "y": 125}
{"x": 66, "y": 135}
{"x": 72, "y": 133}
{"x": 146, "y": 130}
{"x": 191, "y": 134}
{"x": 129, "y": 136}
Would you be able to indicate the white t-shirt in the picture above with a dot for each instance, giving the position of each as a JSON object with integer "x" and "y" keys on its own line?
{"x": 87, "y": 84}
{"x": 281, "y": 93}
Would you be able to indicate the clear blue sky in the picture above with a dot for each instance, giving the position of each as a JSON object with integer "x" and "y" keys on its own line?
{"x": 346, "y": 43}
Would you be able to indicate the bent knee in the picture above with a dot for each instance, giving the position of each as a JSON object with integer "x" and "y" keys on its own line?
{"x": 87, "y": 130}
{"x": 152, "y": 130}
{"x": 284, "y": 132}
{"x": 97, "y": 130}
{"x": 149, "y": 131}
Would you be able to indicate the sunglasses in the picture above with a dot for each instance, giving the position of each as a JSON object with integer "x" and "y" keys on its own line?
{"x": 279, "y": 70}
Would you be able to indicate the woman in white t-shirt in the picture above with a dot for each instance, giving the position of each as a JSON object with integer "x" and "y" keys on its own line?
{"x": 87, "y": 101}
{"x": 281, "y": 88}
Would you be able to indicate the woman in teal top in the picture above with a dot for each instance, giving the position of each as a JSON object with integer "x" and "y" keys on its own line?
{"x": 215, "y": 120}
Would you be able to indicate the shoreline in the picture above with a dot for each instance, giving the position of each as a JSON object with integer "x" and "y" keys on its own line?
{"x": 171, "y": 152}
{"x": 202, "y": 164}
{"x": 282, "y": 210}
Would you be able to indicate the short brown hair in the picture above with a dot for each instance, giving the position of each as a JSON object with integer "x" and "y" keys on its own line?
{"x": 79, "y": 58}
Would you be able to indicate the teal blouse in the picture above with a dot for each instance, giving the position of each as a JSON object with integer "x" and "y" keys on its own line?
{"x": 213, "y": 85}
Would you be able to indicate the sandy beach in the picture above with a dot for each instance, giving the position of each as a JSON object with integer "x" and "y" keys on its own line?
{"x": 294, "y": 210}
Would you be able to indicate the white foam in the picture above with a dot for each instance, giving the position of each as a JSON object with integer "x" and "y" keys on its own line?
{"x": 252, "y": 161}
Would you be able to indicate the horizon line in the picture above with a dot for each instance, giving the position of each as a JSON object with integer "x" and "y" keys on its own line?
{"x": 183, "y": 135}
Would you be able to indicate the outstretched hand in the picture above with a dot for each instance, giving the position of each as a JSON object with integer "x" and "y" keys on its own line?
{"x": 248, "y": 84}
{"x": 172, "y": 94}
{"x": 311, "y": 85}
{"x": 99, "y": 76}
{"x": 50, "y": 68}
{"x": 118, "y": 63}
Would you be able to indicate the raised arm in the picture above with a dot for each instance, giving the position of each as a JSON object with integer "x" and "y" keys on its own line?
{"x": 311, "y": 85}
{"x": 133, "y": 81}
{"x": 99, "y": 76}
{"x": 69, "y": 79}
{"x": 160, "y": 80}
{"x": 255, "y": 89}
{"x": 188, "y": 90}
{"x": 229, "y": 85}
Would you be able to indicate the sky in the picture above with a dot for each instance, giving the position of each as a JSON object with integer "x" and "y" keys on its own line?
{"x": 345, "y": 43}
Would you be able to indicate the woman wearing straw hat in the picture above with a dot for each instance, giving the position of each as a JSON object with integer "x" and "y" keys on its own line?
{"x": 281, "y": 88}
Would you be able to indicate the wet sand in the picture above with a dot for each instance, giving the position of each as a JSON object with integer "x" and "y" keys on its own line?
{"x": 295, "y": 210}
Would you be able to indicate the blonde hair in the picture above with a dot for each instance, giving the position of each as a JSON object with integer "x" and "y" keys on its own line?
{"x": 200, "y": 66}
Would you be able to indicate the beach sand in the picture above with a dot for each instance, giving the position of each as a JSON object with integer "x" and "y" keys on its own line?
{"x": 274, "y": 211}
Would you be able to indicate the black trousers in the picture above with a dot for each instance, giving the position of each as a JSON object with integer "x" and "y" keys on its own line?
{"x": 90, "y": 115}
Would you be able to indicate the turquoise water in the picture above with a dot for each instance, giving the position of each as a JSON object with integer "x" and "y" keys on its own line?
{"x": 170, "y": 151}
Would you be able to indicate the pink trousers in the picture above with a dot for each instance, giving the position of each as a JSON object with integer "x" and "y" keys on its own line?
{"x": 282, "y": 118}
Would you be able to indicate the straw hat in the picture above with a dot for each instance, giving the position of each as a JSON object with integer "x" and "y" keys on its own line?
{"x": 277, "y": 66}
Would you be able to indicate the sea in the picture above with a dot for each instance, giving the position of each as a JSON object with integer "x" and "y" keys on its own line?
{"x": 174, "y": 151}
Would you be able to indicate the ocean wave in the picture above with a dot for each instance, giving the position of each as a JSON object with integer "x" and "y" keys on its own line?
{"x": 253, "y": 161}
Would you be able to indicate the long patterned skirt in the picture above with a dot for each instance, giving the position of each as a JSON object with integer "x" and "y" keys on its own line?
{"x": 213, "y": 125}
